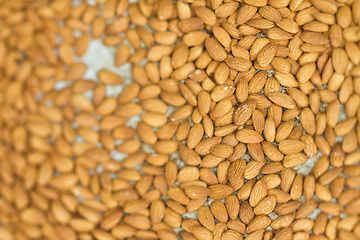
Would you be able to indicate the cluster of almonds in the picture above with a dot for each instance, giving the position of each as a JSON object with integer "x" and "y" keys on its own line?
{"x": 232, "y": 95}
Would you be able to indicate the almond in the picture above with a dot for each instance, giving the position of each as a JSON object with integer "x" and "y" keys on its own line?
{"x": 197, "y": 192}
{"x": 244, "y": 111}
{"x": 218, "y": 210}
{"x": 220, "y": 191}
{"x": 265, "y": 206}
{"x": 206, "y": 15}
{"x": 246, "y": 13}
{"x": 238, "y": 64}
{"x": 248, "y": 136}
{"x": 258, "y": 192}
{"x": 259, "y": 222}
{"x": 215, "y": 50}
{"x": 266, "y": 55}
{"x": 189, "y": 156}
{"x": 282, "y": 100}
{"x": 289, "y": 147}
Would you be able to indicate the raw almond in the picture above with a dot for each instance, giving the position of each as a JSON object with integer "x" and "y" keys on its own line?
{"x": 248, "y": 136}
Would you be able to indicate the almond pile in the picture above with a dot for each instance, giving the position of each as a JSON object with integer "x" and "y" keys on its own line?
{"x": 233, "y": 98}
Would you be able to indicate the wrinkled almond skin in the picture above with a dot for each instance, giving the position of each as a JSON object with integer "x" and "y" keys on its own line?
{"x": 220, "y": 191}
{"x": 244, "y": 111}
{"x": 248, "y": 136}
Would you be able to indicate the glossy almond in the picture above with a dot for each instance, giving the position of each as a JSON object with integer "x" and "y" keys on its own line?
{"x": 244, "y": 111}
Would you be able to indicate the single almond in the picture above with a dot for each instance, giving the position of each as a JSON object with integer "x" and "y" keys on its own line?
{"x": 265, "y": 206}
{"x": 215, "y": 50}
{"x": 248, "y": 136}
{"x": 220, "y": 191}
{"x": 282, "y": 100}
{"x": 259, "y": 222}
{"x": 238, "y": 64}
{"x": 244, "y": 111}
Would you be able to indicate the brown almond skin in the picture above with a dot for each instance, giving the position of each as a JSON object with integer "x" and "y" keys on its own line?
{"x": 306, "y": 209}
{"x": 235, "y": 171}
{"x": 238, "y": 64}
{"x": 201, "y": 232}
{"x": 189, "y": 155}
{"x": 203, "y": 148}
{"x": 220, "y": 191}
{"x": 259, "y": 222}
{"x": 258, "y": 192}
{"x": 246, "y": 213}
{"x": 287, "y": 208}
{"x": 282, "y": 100}
{"x": 265, "y": 206}
{"x": 197, "y": 192}
{"x": 219, "y": 211}
{"x": 248, "y": 136}
{"x": 244, "y": 111}
{"x": 271, "y": 151}
{"x": 282, "y": 221}
{"x": 206, "y": 218}
{"x": 222, "y": 150}
{"x": 289, "y": 147}
{"x": 245, "y": 190}
{"x": 285, "y": 233}
{"x": 177, "y": 194}
{"x": 215, "y": 50}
